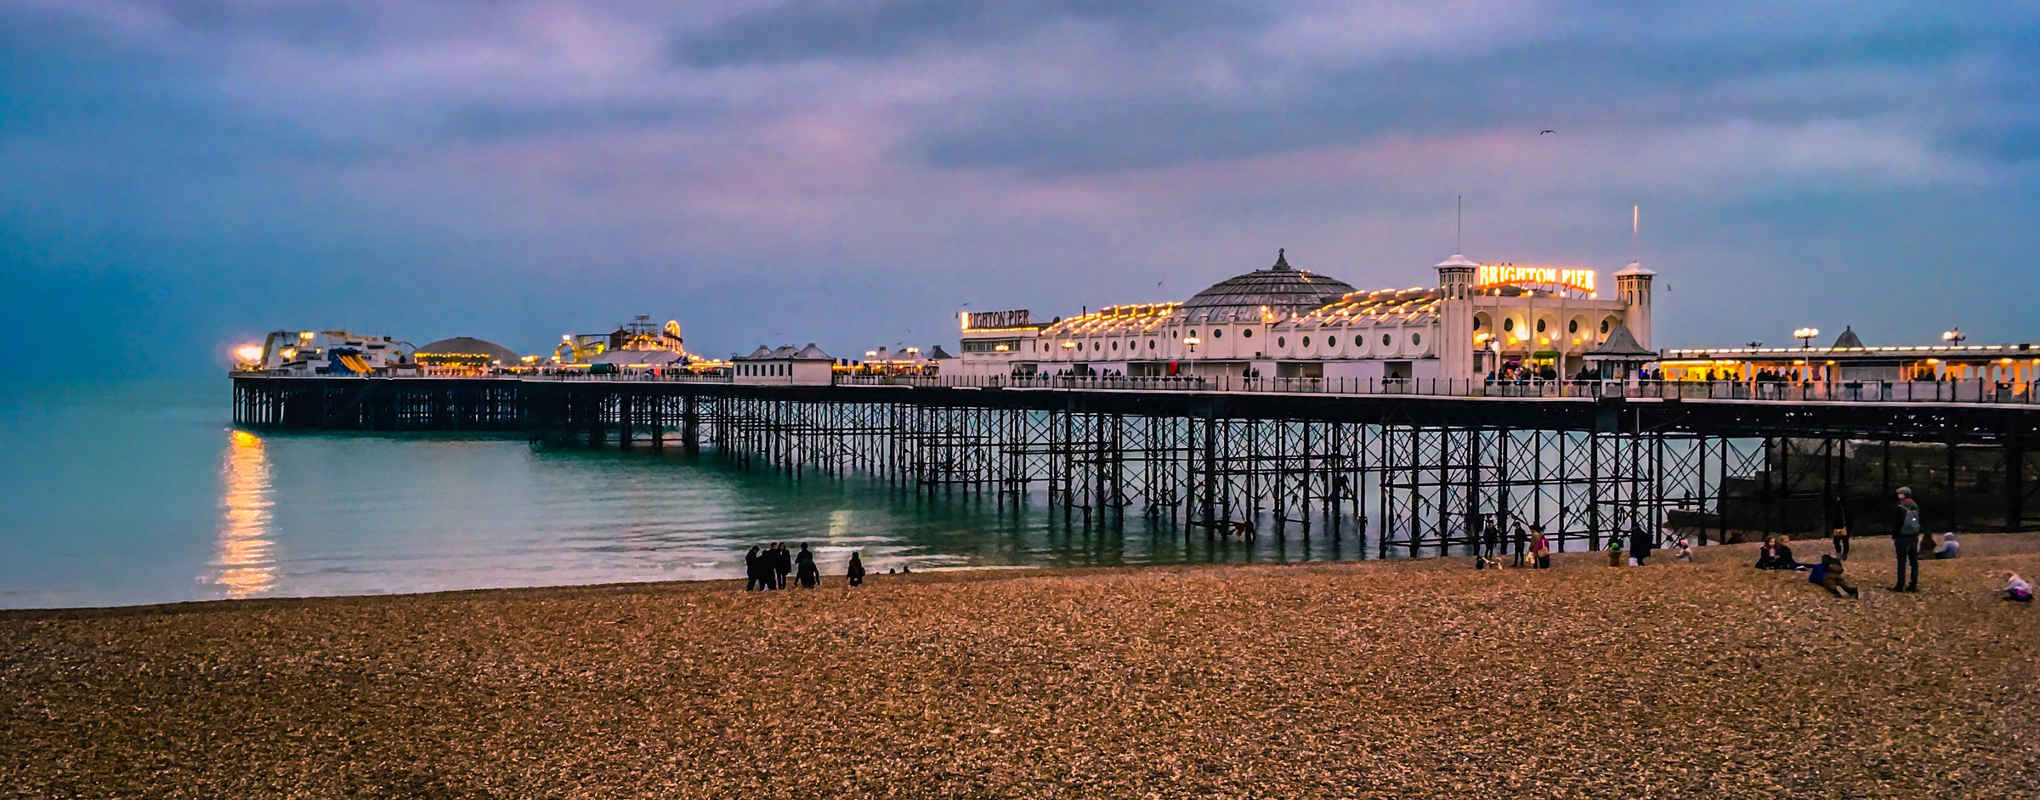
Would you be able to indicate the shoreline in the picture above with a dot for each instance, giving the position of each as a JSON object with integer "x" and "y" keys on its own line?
{"x": 936, "y": 575}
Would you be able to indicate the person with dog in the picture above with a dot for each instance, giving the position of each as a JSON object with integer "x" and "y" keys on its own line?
{"x": 1828, "y": 575}
{"x": 1905, "y": 541}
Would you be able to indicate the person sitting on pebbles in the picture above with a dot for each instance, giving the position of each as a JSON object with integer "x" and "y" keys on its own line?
{"x": 1682, "y": 553}
{"x": 1776, "y": 554}
{"x": 1828, "y": 575}
{"x": 1949, "y": 547}
{"x": 2017, "y": 589}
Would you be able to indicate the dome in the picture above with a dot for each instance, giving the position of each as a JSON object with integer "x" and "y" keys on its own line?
{"x": 466, "y": 348}
{"x": 1279, "y": 289}
{"x": 1847, "y": 339}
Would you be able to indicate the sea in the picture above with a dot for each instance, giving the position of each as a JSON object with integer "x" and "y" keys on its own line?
{"x": 142, "y": 491}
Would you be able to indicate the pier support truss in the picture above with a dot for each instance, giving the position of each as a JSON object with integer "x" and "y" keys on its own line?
{"x": 1415, "y": 476}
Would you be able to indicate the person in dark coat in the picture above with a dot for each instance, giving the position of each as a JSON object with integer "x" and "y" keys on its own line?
{"x": 804, "y": 568}
{"x": 1490, "y": 538}
{"x": 1905, "y": 541}
{"x": 856, "y": 570}
{"x": 1840, "y": 533}
{"x": 754, "y": 577}
{"x": 1639, "y": 545}
{"x": 782, "y": 564}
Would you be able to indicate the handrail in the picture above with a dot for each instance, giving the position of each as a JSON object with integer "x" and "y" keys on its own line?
{"x": 1967, "y": 392}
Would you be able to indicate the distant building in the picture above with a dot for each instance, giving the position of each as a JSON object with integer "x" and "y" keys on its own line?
{"x": 1281, "y": 321}
{"x": 330, "y": 352}
{"x": 784, "y": 366}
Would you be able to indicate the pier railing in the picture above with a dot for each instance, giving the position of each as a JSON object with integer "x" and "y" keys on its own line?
{"x": 1773, "y": 391}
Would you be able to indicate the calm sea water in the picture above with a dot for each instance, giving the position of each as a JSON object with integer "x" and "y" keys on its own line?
{"x": 143, "y": 492}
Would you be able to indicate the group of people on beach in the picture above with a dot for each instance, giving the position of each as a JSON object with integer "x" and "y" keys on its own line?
{"x": 766, "y": 570}
{"x": 1909, "y": 540}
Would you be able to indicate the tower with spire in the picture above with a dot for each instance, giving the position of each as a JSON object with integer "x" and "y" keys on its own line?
{"x": 1632, "y": 287}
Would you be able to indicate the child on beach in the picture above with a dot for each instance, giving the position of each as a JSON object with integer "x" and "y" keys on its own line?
{"x": 2018, "y": 590}
{"x": 1682, "y": 553}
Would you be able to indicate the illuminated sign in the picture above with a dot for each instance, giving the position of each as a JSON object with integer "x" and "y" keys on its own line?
{"x": 1511, "y": 274}
{"x": 977, "y": 320}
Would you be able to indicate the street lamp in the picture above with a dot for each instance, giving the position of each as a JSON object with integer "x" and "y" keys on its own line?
{"x": 1193, "y": 342}
{"x": 1805, "y": 336}
{"x": 1954, "y": 336}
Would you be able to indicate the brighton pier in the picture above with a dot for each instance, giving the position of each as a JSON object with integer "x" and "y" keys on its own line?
{"x": 1279, "y": 400}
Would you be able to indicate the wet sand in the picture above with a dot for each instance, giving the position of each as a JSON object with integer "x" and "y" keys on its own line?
{"x": 1379, "y": 679}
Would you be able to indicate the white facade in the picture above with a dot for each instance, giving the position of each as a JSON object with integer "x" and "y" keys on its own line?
{"x": 784, "y": 366}
{"x": 1285, "y": 322}
{"x": 330, "y": 352}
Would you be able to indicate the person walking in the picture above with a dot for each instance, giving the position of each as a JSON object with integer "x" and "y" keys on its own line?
{"x": 804, "y": 568}
{"x": 856, "y": 574}
{"x": 782, "y": 564}
{"x": 1639, "y": 545}
{"x": 1839, "y": 511}
{"x": 1905, "y": 541}
{"x": 753, "y": 576}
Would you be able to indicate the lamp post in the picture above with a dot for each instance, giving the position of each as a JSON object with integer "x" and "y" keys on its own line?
{"x": 1805, "y": 336}
{"x": 1954, "y": 336}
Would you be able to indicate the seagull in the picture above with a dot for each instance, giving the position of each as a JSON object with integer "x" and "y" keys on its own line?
{"x": 1547, "y": 130}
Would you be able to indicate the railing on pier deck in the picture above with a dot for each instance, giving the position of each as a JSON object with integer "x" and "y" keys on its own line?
{"x": 1840, "y": 392}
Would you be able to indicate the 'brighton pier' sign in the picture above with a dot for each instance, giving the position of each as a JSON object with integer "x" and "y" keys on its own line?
{"x": 1576, "y": 278}
{"x": 980, "y": 320}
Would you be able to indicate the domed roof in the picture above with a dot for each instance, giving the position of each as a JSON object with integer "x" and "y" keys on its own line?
{"x": 1847, "y": 339}
{"x": 1279, "y": 289}
{"x": 469, "y": 348}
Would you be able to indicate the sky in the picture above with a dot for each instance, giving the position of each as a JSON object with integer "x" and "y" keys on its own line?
{"x": 187, "y": 174}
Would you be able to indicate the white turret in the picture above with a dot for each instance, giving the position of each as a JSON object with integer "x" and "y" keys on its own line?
{"x": 1455, "y": 317}
{"x": 1632, "y": 287}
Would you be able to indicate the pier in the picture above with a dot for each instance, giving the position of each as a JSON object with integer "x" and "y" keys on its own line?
{"x": 1411, "y": 466}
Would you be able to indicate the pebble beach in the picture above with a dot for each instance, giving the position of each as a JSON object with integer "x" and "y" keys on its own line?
{"x": 1368, "y": 679}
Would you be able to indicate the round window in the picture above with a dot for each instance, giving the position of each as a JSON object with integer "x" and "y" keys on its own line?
{"x": 1115, "y": 345}
{"x": 1509, "y": 324}
{"x": 1096, "y": 346}
{"x": 1246, "y": 333}
{"x": 1217, "y": 334}
{"x": 1281, "y": 341}
{"x": 1331, "y": 342}
{"x": 1416, "y": 339}
{"x": 1306, "y": 341}
{"x": 1540, "y": 326}
{"x": 1604, "y": 326}
{"x": 1151, "y": 344}
{"x": 1384, "y": 340}
{"x": 1572, "y": 327}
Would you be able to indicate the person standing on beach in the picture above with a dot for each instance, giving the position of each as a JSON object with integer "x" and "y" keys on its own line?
{"x": 1905, "y": 541}
{"x": 1840, "y": 534}
{"x": 782, "y": 564}
{"x": 856, "y": 570}
{"x": 804, "y": 568}
{"x": 1639, "y": 544}
{"x": 752, "y": 575}
{"x": 1540, "y": 547}
{"x": 1522, "y": 542}
{"x": 1490, "y": 537}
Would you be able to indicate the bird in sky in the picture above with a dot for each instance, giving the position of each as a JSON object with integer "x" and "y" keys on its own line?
{"x": 1547, "y": 130}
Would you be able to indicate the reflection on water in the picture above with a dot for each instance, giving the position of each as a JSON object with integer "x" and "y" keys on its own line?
{"x": 244, "y": 562}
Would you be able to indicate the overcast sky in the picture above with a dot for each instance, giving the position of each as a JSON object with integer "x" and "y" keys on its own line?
{"x": 190, "y": 174}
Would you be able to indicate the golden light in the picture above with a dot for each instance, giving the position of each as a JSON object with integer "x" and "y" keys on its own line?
{"x": 1192, "y": 341}
{"x": 304, "y": 336}
{"x": 1000, "y": 348}
{"x": 566, "y": 337}
{"x": 248, "y": 353}
{"x": 1069, "y": 345}
{"x": 289, "y": 353}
